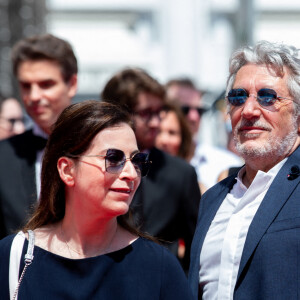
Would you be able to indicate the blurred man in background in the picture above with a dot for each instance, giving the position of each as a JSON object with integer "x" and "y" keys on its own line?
{"x": 209, "y": 161}
{"x": 184, "y": 91}
{"x": 46, "y": 69}
{"x": 11, "y": 118}
{"x": 167, "y": 199}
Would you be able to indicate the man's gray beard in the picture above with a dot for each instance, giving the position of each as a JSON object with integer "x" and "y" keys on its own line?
{"x": 273, "y": 146}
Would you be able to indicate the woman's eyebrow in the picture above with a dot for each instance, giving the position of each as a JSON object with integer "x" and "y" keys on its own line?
{"x": 134, "y": 152}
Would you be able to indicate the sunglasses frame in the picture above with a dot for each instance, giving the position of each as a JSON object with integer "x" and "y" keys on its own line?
{"x": 142, "y": 169}
{"x": 147, "y": 114}
{"x": 267, "y": 102}
{"x": 186, "y": 109}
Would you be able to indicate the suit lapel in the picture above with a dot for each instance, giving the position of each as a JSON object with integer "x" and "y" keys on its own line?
{"x": 209, "y": 209}
{"x": 29, "y": 179}
{"x": 27, "y": 150}
{"x": 270, "y": 207}
{"x": 209, "y": 205}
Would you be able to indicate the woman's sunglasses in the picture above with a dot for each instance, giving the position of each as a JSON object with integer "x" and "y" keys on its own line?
{"x": 265, "y": 97}
{"x": 115, "y": 160}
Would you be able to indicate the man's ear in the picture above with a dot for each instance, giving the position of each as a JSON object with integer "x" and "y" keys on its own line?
{"x": 73, "y": 85}
{"x": 66, "y": 167}
{"x": 298, "y": 123}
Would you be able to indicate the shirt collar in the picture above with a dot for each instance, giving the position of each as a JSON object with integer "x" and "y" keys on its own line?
{"x": 39, "y": 132}
{"x": 261, "y": 174}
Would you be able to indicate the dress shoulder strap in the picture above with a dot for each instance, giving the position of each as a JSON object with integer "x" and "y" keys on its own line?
{"x": 15, "y": 259}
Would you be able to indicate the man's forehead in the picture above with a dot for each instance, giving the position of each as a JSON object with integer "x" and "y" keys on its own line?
{"x": 255, "y": 77}
{"x": 185, "y": 96}
{"x": 192, "y": 98}
{"x": 148, "y": 101}
{"x": 267, "y": 71}
{"x": 38, "y": 66}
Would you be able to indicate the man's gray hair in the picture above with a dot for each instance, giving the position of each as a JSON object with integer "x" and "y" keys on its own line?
{"x": 275, "y": 56}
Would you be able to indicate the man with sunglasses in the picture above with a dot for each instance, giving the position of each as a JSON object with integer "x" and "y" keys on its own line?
{"x": 184, "y": 91}
{"x": 167, "y": 199}
{"x": 246, "y": 245}
{"x": 209, "y": 161}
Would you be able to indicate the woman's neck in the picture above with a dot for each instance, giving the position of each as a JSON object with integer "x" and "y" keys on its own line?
{"x": 80, "y": 234}
{"x": 88, "y": 238}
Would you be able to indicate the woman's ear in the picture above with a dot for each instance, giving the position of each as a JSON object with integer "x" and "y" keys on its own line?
{"x": 66, "y": 167}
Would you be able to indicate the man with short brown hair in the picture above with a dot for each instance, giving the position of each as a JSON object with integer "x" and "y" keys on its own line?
{"x": 168, "y": 198}
{"x": 46, "y": 69}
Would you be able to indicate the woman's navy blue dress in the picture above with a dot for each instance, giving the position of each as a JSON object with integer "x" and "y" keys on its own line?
{"x": 142, "y": 270}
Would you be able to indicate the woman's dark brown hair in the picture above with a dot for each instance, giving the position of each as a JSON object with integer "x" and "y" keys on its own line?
{"x": 72, "y": 134}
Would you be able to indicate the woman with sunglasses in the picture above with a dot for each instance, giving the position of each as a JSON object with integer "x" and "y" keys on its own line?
{"x": 85, "y": 246}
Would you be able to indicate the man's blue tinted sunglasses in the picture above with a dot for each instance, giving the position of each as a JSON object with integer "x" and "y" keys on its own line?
{"x": 265, "y": 97}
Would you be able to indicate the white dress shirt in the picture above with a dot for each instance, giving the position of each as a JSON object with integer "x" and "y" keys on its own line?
{"x": 223, "y": 245}
{"x": 39, "y": 156}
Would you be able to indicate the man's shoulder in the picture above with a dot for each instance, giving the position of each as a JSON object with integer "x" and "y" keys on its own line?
{"x": 211, "y": 195}
{"x": 16, "y": 146}
{"x": 16, "y": 139}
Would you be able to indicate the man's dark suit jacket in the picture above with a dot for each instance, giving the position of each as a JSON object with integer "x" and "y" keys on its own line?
{"x": 168, "y": 200}
{"x": 270, "y": 262}
{"x": 17, "y": 180}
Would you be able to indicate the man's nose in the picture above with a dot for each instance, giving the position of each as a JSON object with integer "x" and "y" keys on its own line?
{"x": 193, "y": 114}
{"x": 154, "y": 119}
{"x": 251, "y": 108}
{"x": 35, "y": 93}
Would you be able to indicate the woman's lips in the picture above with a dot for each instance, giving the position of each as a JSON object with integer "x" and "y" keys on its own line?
{"x": 121, "y": 190}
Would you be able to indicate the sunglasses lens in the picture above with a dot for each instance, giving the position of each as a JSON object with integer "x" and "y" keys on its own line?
{"x": 200, "y": 111}
{"x": 141, "y": 163}
{"x": 114, "y": 160}
{"x": 237, "y": 97}
{"x": 266, "y": 97}
{"x": 185, "y": 109}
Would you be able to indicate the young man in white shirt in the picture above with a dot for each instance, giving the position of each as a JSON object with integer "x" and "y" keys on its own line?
{"x": 46, "y": 69}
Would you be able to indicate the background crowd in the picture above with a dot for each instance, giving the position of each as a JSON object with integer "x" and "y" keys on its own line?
{"x": 166, "y": 203}
{"x": 76, "y": 175}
